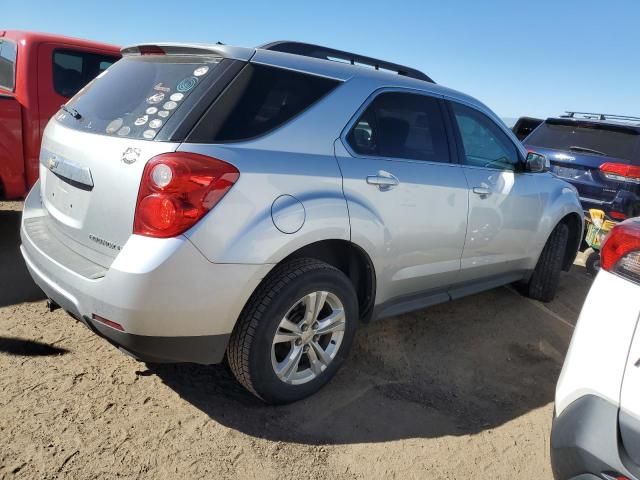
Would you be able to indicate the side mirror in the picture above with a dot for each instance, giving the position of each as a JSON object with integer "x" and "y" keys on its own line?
{"x": 536, "y": 163}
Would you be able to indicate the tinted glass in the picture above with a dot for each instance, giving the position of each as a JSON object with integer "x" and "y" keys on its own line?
{"x": 135, "y": 97}
{"x": 581, "y": 137}
{"x": 485, "y": 144}
{"x": 72, "y": 70}
{"x": 401, "y": 125}
{"x": 259, "y": 100}
{"x": 8, "y": 51}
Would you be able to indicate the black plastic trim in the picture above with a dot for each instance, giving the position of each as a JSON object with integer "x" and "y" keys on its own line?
{"x": 205, "y": 349}
{"x": 585, "y": 440}
{"x": 326, "y": 53}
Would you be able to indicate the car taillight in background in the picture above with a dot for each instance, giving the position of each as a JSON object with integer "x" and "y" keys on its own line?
{"x": 178, "y": 189}
{"x": 621, "y": 172}
{"x": 620, "y": 253}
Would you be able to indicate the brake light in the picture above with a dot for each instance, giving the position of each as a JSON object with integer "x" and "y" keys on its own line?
{"x": 151, "y": 50}
{"x": 620, "y": 252}
{"x": 621, "y": 172}
{"x": 617, "y": 215}
{"x": 178, "y": 189}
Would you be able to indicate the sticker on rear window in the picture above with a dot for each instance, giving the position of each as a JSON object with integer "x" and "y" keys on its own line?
{"x": 170, "y": 105}
{"x": 151, "y": 111}
{"x": 157, "y": 123}
{"x": 156, "y": 98}
{"x": 114, "y": 125}
{"x": 187, "y": 84}
{"x": 163, "y": 113}
{"x": 161, "y": 88}
{"x": 176, "y": 97}
{"x": 124, "y": 131}
{"x": 198, "y": 72}
{"x": 141, "y": 120}
{"x": 149, "y": 134}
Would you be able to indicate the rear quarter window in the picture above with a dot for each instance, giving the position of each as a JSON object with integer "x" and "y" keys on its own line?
{"x": 8, "y": 54}
{"x": 259, "y": 100}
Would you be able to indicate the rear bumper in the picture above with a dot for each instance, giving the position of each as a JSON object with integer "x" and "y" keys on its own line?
{"x": 173, "y": 304}
{"x": 585, "y": 442}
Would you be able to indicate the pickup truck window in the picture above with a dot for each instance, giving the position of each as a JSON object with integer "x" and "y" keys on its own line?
{"x": 8, "y": 52}
{"x": 73, "y": 69}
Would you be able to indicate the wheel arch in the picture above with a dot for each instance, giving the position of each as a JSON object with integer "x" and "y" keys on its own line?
{"x": 349, "y": 258}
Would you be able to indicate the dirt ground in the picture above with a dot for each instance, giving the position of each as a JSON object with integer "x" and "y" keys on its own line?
{"x": 458, "y": 391}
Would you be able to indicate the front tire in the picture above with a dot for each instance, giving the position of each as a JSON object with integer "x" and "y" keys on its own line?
{"x": 546, "y": 276}
{"x": 295, "y": 331}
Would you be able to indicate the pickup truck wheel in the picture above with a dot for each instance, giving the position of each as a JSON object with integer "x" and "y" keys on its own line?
{"x": 544, "y": 281}
{"x": 295, "y": 331}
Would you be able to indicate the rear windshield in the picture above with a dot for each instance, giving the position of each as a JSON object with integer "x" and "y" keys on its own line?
{"x": 136, "y": 96}
{"x": 596, "y": 139}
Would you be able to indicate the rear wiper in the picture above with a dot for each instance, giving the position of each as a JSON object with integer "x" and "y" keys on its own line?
{"x": 71, "y": 111}
{"x": 586, "y": 150}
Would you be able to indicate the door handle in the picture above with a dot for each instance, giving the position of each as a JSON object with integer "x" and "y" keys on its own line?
{"x": 482, "y": 191}
{"x": 383, "y": 180}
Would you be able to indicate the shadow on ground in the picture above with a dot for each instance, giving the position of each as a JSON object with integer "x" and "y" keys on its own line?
{"x": 28, "y": 348}
{"x": 16, "y": 285}
{"x": 455, "y": 369}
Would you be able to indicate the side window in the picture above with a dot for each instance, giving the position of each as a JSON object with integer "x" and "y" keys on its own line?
{"x": 259, "y": 100}
{"x": 485, "y": 144}
{"x": 8, "y": 51}
{"x": 72, "y": 70}
{"x": 401, "y": 125}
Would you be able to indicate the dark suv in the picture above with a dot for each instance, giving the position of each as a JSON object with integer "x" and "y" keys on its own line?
{"x": 599, "y": 154}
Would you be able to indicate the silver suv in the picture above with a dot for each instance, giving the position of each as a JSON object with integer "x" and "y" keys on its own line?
{"x": 197, "y": 202}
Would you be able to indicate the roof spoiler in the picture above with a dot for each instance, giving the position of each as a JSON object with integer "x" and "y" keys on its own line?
{"x": 227, "y": 51}
{"x": 326, "y": 53}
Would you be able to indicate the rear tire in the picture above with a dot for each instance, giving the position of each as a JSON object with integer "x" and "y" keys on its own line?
{"x": 543, "y": 283}
{"x": 592, "y": 261}
{"x": 278, "y": 350}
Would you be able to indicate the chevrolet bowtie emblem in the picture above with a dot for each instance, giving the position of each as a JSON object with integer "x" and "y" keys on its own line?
{"x": 130, "y": 155}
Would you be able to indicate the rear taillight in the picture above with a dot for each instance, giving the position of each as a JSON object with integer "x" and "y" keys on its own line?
{"x": 178, "y": 189}
{"x": 620, "y": 253}
{"x": 621, "y": 172}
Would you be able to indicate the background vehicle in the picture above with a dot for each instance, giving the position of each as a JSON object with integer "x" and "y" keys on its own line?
{"x": 596, "y": 429}
{"x": 198, "y": 200}
{"x": 38, "y": 73}
{"x": 524, "y": 126}
{"x": 597, "y": 153}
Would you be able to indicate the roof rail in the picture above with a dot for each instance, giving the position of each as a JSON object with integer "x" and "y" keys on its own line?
{"x": 601, "y": 116}
{"x": 326, "y": 53}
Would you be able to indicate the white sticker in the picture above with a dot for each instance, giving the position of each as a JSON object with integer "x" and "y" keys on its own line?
{"x": 170, "y": 105}
{"x": 114, "y": 125}
{"x": 151, "y": 110}
{"x": 141, "y": 120}
{"x": 149, "y": 134}
{"x": 160, "y": 88}
{"x": 155, "y": 123}
{"x": 198, "y": 72}
{"x": 176, "y": 97}
{"x": 163, "y": 113}
{"x": 156, "y": 98}
{"x": 124, "y": 131}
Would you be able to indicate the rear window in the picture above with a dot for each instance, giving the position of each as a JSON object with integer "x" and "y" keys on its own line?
{"x": 597, "y": 139}
{"x": 136, "y": 96}
{"x": 259, "y": 100}
{"x": 73, "y": 69}
{"x": 8, "y": 52}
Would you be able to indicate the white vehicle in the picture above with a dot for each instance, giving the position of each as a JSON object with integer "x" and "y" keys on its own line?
{"x": 596, "y": 429}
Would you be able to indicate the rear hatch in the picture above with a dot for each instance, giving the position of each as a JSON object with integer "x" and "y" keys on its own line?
{"x": 95, "y": 148}
{"x": 578, "y": 149}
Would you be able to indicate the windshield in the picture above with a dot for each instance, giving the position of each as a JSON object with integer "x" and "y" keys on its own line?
{"x": 136, "y": 96}
{"x": 591, "y": 139}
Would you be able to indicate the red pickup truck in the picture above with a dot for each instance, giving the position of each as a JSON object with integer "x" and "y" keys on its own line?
{"x": 38, "y": 73}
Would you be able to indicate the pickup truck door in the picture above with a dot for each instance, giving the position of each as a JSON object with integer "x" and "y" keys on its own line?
{"x": 407, "y": 202}
{"x": 11, "y": 157}
{"x": 505, "y": 205}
